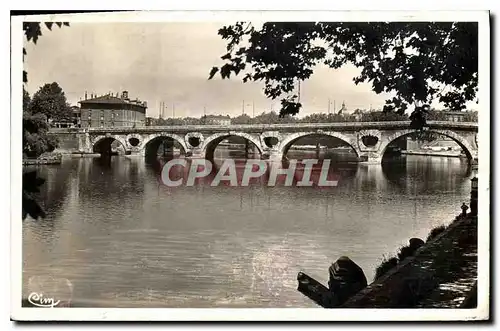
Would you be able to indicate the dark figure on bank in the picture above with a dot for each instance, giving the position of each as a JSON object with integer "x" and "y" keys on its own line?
{"x": 346, "y": 279}
{"x": 464, "y": 209}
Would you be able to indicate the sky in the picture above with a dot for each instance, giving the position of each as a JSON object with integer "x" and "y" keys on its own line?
{"x": 170, "y": 62}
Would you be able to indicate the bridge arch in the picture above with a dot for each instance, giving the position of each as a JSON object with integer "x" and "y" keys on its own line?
{"x": 210, "y": 143}
{"x": 286, "y": 143}
{"x": 469, "y": 150}
{"x": 153, "y": 142}
{"x": 102, "y": 144}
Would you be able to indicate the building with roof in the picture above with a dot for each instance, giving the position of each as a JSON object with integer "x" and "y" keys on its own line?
{"x": 112, "y": 111}
{"x": 77, "y": 116}
{"x": 72, "y": 122}
{"x": 343, "y": 109}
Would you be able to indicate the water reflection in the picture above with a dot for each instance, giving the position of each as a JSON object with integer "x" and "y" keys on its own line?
{"x": 415, "y": 173}
{"x": 124, "y": 239}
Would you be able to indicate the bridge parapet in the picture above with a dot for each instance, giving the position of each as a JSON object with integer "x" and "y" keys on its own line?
{"x": 368, "y": 139}
{"x": 347, "y": 126}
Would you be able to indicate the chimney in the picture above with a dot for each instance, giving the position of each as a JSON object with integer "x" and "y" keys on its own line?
{"x": 125, "y": 95}
{"x": 85, "y": 95}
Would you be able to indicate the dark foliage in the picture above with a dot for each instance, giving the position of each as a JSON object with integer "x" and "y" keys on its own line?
{"x": 381, "y": 116}
{"x": 418, "y": 117}
{"x": 405, "y": 252}
{"x": 32, "y": 31}
{"x": 30, "y": 206}
{"x": 273, "y": 118}
{"x": 436, "y": 231}
{"x": 35, "y": 127}
{"x": 50, "y": 101}
{"x": 36, "y": 139}
{"x": 418, "y": 61}
{"x": 385, "y": 265}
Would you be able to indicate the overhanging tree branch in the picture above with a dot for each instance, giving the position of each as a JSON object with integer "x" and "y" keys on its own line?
{"x": 404, "y": 58}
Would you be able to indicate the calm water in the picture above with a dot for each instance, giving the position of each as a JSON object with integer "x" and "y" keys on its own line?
{"x": 122, "y": 240}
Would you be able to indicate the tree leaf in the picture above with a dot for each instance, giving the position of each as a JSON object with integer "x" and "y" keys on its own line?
{"x": 213, "y": 72}
{"x": 226, "y": 56}
{"x": 225, "y": 71}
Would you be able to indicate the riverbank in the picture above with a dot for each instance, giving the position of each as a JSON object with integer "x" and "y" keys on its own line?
{"x": 442, "y": 274}
{"x": 434, "y": 153}
{"x": 55, "y": 158}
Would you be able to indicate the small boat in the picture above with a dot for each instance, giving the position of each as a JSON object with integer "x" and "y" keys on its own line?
{"x": 316, "y": 291}
{"x": 346, "y": 279}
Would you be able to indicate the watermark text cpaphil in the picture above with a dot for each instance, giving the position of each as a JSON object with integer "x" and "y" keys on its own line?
{"x": 303, "y": 173}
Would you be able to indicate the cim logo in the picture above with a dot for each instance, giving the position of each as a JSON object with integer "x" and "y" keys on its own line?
{"x": 48, "y": 291}
{"x": 38, "y": 300}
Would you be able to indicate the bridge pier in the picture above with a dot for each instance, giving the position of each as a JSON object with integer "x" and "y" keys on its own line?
{"x": 134, "y": 152}
{"x": 168, "y": 148}
{"x": 84, "y": 143}
{"x": 195, "y": 153}
{"x": 370, "y": 158}
{"x": 274, "y": 156}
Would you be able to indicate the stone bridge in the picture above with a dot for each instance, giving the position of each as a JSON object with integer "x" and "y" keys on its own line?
{"x": 369, "y": 140}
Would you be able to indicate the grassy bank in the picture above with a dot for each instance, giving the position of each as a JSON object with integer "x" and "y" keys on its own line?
{"x": 404, "y": 252}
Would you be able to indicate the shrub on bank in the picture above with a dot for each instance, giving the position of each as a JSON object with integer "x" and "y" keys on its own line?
{"x": 385, "y": 265}
{"x": 406, "y": 251}
{"x": 389, "y": 263}
{"x": 435, "y": 232}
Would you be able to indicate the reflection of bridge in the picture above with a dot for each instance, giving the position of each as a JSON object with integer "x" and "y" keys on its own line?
{"x": 369, "y": 140}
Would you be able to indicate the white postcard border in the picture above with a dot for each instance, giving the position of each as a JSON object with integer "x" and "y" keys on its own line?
{"x": 286, "y": 314}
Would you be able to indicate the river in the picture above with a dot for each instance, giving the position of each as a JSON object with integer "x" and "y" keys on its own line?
{"x": 123, "y": 240}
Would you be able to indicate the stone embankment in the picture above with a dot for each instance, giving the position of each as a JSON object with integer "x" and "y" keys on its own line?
{"x": 441, "y": 274}
{"x": 434, "y": 153}
{"x": 49, "y": 158}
